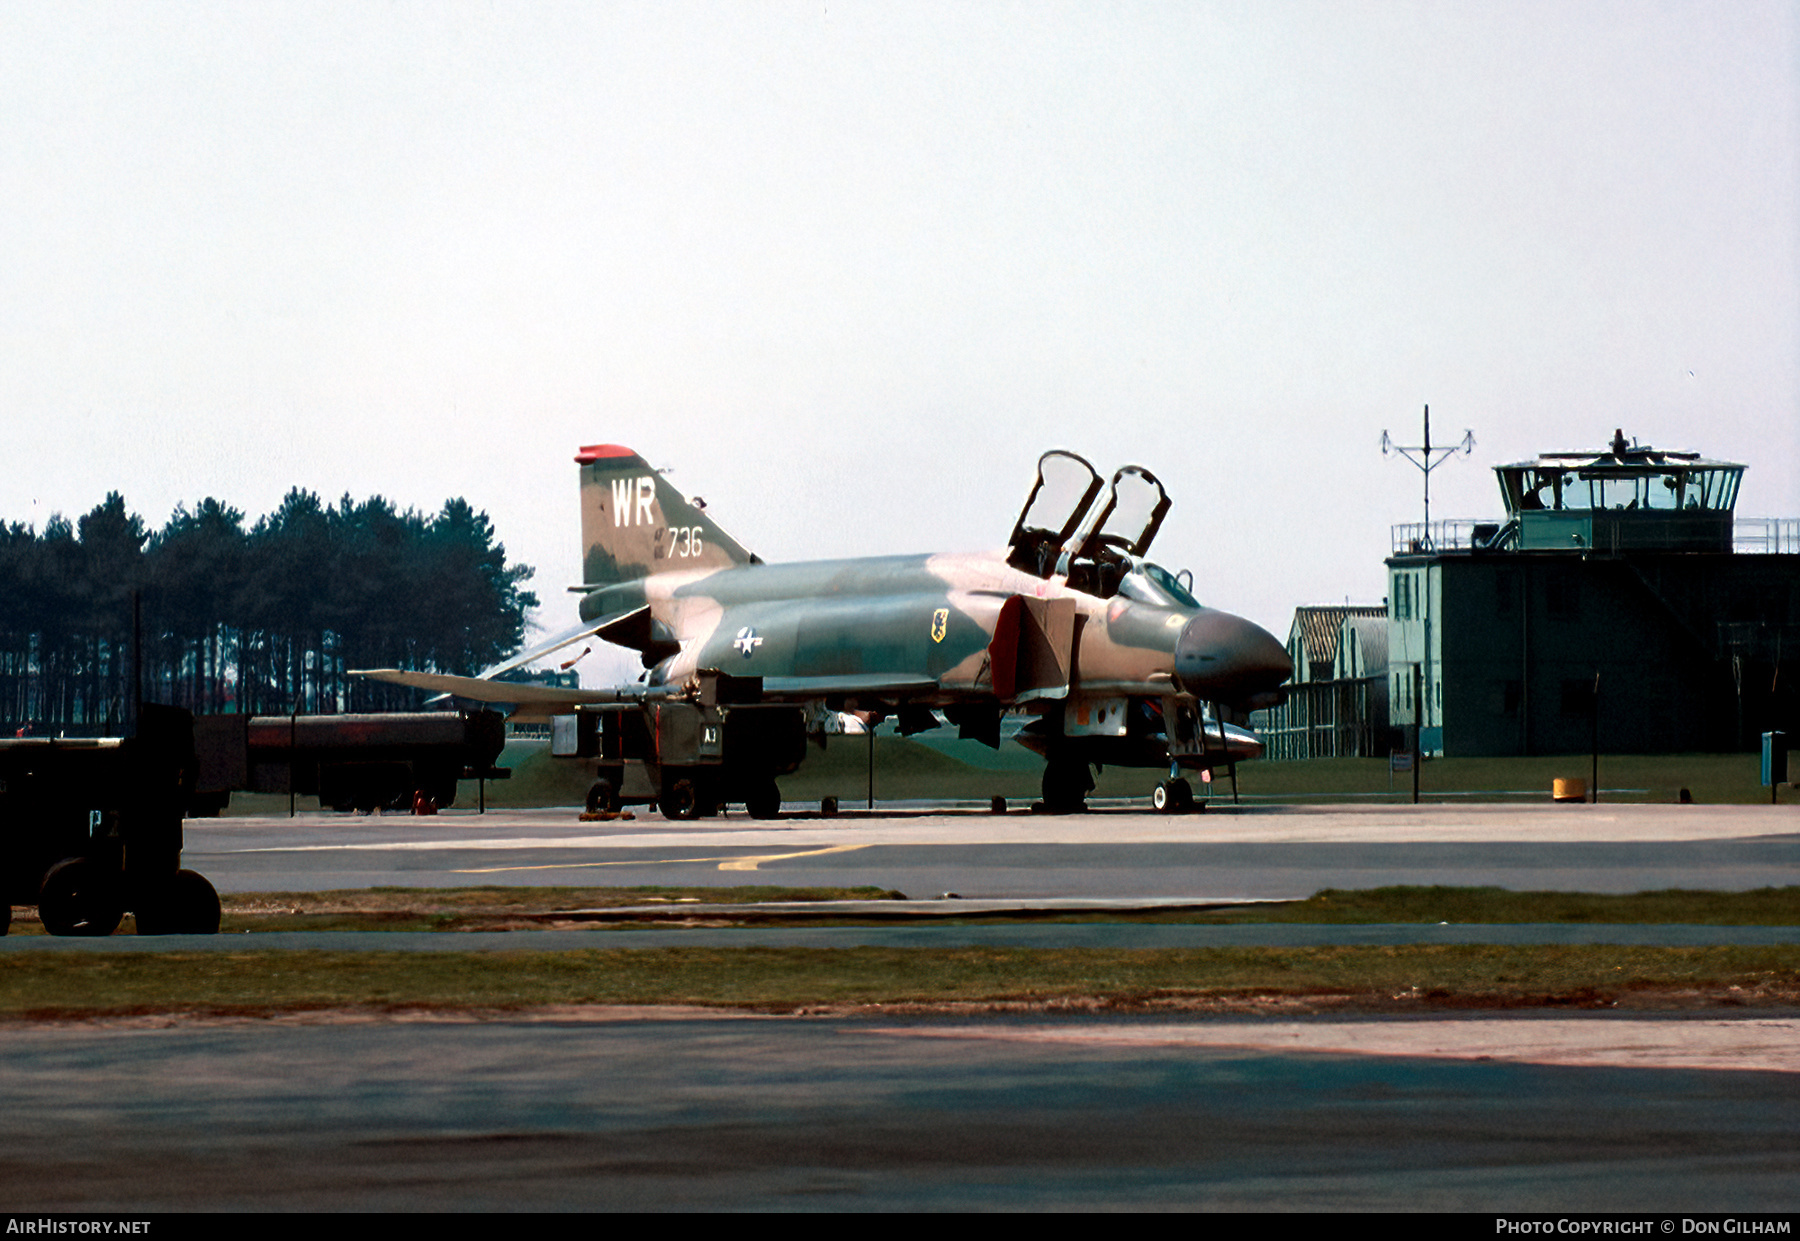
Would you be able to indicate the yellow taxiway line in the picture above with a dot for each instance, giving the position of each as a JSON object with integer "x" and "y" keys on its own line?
{"x": 735, "y": 863}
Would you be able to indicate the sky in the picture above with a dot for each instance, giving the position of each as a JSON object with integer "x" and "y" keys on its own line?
{"x": 847, "y": 269}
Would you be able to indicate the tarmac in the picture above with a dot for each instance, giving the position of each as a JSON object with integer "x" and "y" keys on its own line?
{"x": 1278, "y": 853}
{"x": 669, "y": 1109}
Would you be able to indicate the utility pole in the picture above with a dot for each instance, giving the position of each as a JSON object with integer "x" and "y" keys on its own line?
{"x": 1418, "y": 746}
{"x": 1594, "y": 727}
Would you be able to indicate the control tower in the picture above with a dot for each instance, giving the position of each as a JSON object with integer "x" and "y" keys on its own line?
{"x": 1627, "y": 568}
{"x": 1629, "y": 499}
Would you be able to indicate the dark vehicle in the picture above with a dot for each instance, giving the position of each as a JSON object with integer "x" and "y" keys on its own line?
{"x": 349, "y": 762}
{"x": 90, "y": 829}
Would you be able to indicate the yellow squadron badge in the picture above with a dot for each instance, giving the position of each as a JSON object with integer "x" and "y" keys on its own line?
{"x": 940, "y": 624}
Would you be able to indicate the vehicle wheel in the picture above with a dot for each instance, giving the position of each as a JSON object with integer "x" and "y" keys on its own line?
{"x": 681, "y": 801}
{"x": 187, "y": 905}
{"x": 764, "y": 801}
{"x": 1161, "y": 800}
{"x": 79, "y": 899}
{"x": 1066, "y": 786}
{"x": 602, "y": 797}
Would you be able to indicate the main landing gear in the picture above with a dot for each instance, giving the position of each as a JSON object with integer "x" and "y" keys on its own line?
{"x": 1066, "y": 786}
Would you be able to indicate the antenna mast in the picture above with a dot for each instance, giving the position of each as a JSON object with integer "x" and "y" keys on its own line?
{"x": 1426, "y": 464}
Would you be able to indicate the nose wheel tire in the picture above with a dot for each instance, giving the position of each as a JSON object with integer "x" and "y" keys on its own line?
{"x": 1172, "y": 797}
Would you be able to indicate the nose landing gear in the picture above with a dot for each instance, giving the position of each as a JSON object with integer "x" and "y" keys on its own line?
{"x": 1174, "y": 796}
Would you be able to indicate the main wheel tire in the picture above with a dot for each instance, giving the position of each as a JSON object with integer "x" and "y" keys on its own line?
{"x": 680, "y": 801}
{"x": 1183, "y": 793}
{"x": 78, "y": 898}
{"x": 602, "y": 797}
{"x": 764, "y": 801}
{"x": 1161, "y": 800}
{"x": 187, "y": 905}
{"x": 1066, "y": 786}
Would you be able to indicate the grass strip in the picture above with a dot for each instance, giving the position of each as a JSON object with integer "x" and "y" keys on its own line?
{"x": 77, "y": 984}
{"x": 466, "y": 909}
{"x": 523, "y": 908}
{"x": 1334, "y": 906}
{"x": 935, "y": 765}
{"x": 459, "y": 909}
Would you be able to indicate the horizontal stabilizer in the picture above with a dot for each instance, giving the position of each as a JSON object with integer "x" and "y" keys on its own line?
{"x": 641, "y": 632}
{"x": 567, "y": 638}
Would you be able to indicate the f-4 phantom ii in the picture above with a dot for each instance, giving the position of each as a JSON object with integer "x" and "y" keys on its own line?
{"x": 1112, "y": 655}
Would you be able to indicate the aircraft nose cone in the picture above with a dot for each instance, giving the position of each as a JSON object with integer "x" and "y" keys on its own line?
{"x": 1225, "y": 658}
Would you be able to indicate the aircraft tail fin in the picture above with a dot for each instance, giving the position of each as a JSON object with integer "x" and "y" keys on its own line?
{"x": 634, "y": 524}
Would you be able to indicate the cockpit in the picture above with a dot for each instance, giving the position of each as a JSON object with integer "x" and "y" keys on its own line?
{"x": 1068, "y": 529}
{"x": 1151, "y": 583}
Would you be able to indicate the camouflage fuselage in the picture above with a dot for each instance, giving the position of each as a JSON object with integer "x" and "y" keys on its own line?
{"x": 892, "y": 622}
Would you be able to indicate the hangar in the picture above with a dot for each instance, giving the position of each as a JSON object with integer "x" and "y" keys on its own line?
{"x": 1337, "y": 701}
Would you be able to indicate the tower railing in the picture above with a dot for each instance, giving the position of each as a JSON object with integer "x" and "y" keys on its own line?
{"x": 1750, "y": 536}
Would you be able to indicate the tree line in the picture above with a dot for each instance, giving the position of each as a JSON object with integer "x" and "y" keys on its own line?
{"x": 259, "y": 619}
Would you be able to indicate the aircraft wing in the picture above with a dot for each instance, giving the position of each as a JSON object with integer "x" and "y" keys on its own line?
{"x": 479, "y": 689}
{"x": 532, "y": 701}
{"x": 529, "y": 703}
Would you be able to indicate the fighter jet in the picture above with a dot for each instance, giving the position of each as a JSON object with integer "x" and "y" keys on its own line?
{"x": 1111, "y": 655}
